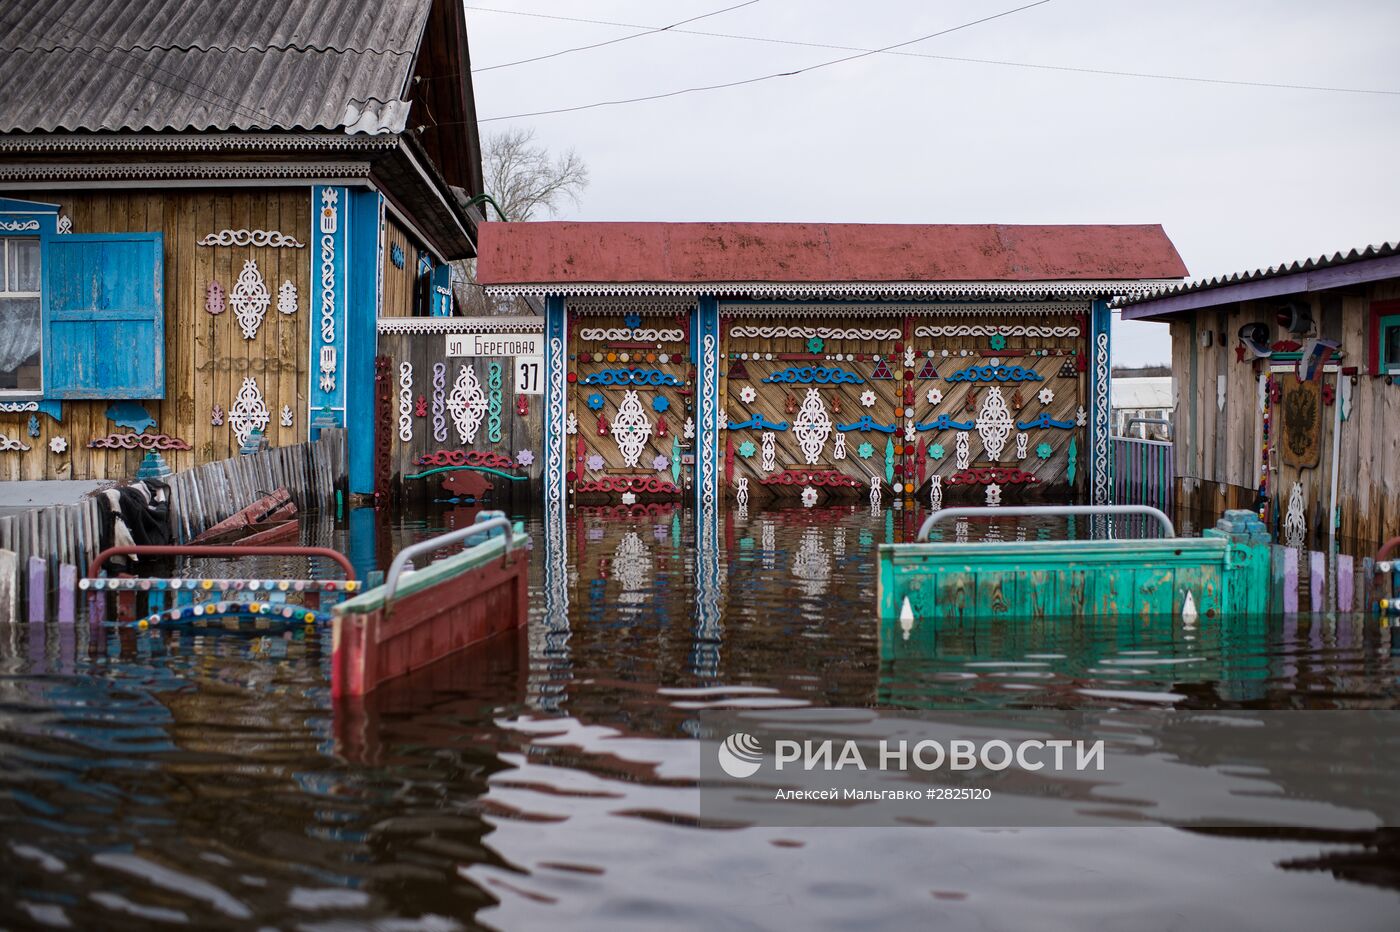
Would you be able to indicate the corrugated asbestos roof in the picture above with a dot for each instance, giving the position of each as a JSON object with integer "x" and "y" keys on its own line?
{"x": 196, "y": 65}
{"x": 1379, "y": 251}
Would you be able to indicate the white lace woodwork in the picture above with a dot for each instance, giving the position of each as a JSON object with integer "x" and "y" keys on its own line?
{"x": 467, "y": 404}
{"x": 935, "y": 492}
{"x": 964, "y": 451}
{"x": 838, "y": 451}
{"x": 688, "y": 431}
{"x": 745, "y": 331}
{"x": 571, "y": 425}
{"x": 287, "y": 298}
{"x": 993, "y": 495}
{"x": 979, "y": 330}
{"x": 994, "y": 423}
{"x": 812, "y": 427}
{"x": 1294, "y": 529}
{"x": 1022, "y": 443}
{"x": 768, "y": 444}
{"x": 250, "y": 238}
{"x": 637, "y": 335}
{"x": 875, "y": 491}
{"x": 286, "y": 416}
{"x": 329, "y": 222}
{"x": 250, "y": 299}
{"x": 630, "y": 429}
{"x": 741, "y": 491}
{"x": 248, "y": 411}
{"x": 406, "y": 402}
{"x": 440, "y": 402}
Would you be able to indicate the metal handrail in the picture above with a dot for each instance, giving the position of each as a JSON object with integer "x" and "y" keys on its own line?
{"x": 391, "y": 578}
{"x": 217, "y": 550}
{"x": 1051, "y": 511}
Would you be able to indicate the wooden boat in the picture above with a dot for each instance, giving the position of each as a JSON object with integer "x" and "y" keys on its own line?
{"x": 1224, "y": 572}
{"x": 269, "y": 519}
{"x": 416, "y": 618}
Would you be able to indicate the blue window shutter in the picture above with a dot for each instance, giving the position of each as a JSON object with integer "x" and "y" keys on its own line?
{"x": 104, "y": 315}
{"x": 442, "y": 291}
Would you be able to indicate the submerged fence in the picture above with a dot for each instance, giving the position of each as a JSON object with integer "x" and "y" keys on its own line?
{"x": 41, "y": 550}
{"x": 1143, "y": 473}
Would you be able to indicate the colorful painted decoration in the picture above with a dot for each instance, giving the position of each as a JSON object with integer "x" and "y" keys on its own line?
{"x": 249, "y": 411}
{"x": 867, "y": 398}
{"x": 1044, "y": 421}
{"x": 988, "y": 475}
{"x": 216, "y": 416}
{"x": 250, "y": 299}
{"x": 493, "y": 402}
{"x": 768, "y": 445}
{"x": 420, "y": 406}
{"x": 944, "y": 422}
{"x": 1073, "y": 460}
{"x": 812, "y": 427}
{"x": 661, "y": 427}
{"x": 758, "y": 422}
{"x": 815, "y": 344}
{"x": 660, "y": 403}
{"x": 747, "y": 449}
{"x": 809, "y": 494}
{"x": 647, "y": 484}
{"x": 994, "y": 490}
{"x": 439, "y": 402}
{"x": 963, "y": 452}
{"x": 130, "y": 442}
{"x": 466, "y": 404}
{"x": 487, "y": 458}
{"x": 632, "y": 321}
{"x": 1046, "y": 395}
{"x": 286, "y": 416}
{"x": 882, "y": 369}
{"x": 748, "y": 394}
{"x": 214, "y": 301}
{"x": 595, "y": 462}
{"x": 250, "y": 238}
{"x": 909, "y": 357}
{"x": 525, "y": 457}
{"x": 1081, "y": 417}
{"x": 936, "y": 451}
{"x": 522, "y": 405}
{"x": 631, "y": 429}
{"x": 18, "y": 446}
{"x": 889, "y": 460}
{"x": 676, "y": 460}
{"x": 595, "y": 402}
{"x": 660, "y": 462}
{"x": 602, "y": 425}
{"x": 1022, "y": 442}
{"x": 33, "y": 425}
{"x": 58, "y": 445}
{"x": 864, "y": 423}
{"x": 638, "y": 377}
{"x": 994, "y": 423}
{"x": 819, "y": 375}
{"x": 1068, "y": 370}
{"x": 130, "y": 414}
{"x": 838, "y": 451}
{"x": 927, "y": 371}
{"x": 628, "y": 498}
{"x": 287, "y": 298}
{"x": 865, "y": 451}
{"x": 1043, "y": 450}
{"x": 995, "y": 374}
{"x": 405, "y": 402}
{"x": 934, "y": 396}
{"x": 737, "y": 370}
{"x": 790, "y": 404}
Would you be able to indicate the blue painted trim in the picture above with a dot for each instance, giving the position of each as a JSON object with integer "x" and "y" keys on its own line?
{"x": 328, "y": 370}
{"x": 556, "y": 347}
{"x": 995, "y": 374}
{"x": 758, "y": 422}
{"x": 820, "y": 375}
{"x": 640, "y": 377}
{"x": 1100, "y": 377}
{"x": 364, "y": 245}
{"x": 944, "y": 422}
{"x": 442, "y": 291}
{"x": 865, "y": 422}
{"x": 1044, "y": 421}
{"x": 27, "y": 218}
{"x": 707, "y": 436}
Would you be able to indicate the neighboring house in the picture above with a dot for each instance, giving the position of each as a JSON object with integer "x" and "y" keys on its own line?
{"x": 961, "y": 362}
{"x": 1250, "y": 432}
{"x": 205, "y": 206}
{"x": 1138, "y": 401}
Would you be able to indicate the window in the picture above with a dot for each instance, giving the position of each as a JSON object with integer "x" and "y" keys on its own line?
{"x": 21, "y": 326}
{"x": 1390, "y": 344}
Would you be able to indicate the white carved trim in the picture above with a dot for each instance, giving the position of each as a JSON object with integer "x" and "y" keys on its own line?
{"x": 250, "y": 299}
{"x": 768, "y": 462}
{"x": 1005, "y": 330}
{"x": 461, "y": 325}
{"x": 18, "y": 407}
{"x": 439, "y": 402}
{"x": 638, "y": 336}
{"x": 406, "y": 402}
{"x": 1022, "y": 442}
{"x": 964, "y": 450}
{"x": 467, "y": 404}
{"x": 741, "y": 493}
{"x": 812, "y": 427}
{"x": 287, "y": 297}
{"x": 286, "y": 415}
{"x": 935, "y": 492}
{"x": 248, "y": 411}
{"x": 1294, "y": 528}
{"x": 740, "y": 331}
{"x": 630, "y": 429}
{"x": 328, "y": 223}
{"x": 875, "y": 492}
{"x": 994, "y": 423}
{"x": 966, "y": 290}
{"x": 838, "y": 451}
{"x": 12, "y": 446}
{"x": 18, "y": 226}
{"x": 64, "y": 225}
{"x": 192, "y": 142}
{"x": 250, "y": 238}
{"x": 205, "y": 170}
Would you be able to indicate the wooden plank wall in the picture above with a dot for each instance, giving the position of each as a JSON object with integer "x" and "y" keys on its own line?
{"x": 1218, "y": 462}
{"x": 400, "y": 284}
{"x": 207, "y": 357}
{"x": 962, "y": 342}
{"x": 518, "y": 432}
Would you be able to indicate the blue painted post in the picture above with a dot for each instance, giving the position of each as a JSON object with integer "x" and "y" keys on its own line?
{"x": 442, "y": 291}
{"x": 556, "y": 345}
{"x": 1100, "y": 376}
{"x": 364, "y": 242}
{"x": 706, "y": 355}
{"x": 328, "y": 373}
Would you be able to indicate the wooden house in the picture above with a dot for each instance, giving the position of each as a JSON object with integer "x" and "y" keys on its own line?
{"x": 1285, "y": 393}
{"x": 756, "y": 360}
{"x": 204, "y": 208}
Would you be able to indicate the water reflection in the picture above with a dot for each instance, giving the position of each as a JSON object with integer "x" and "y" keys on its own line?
{"x": 201, "y": 777}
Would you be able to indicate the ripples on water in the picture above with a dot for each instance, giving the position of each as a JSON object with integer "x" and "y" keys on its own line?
{"x": 204, "y": 779}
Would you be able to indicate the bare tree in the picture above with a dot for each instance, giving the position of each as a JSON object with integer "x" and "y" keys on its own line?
{"x": 525, "y": 179}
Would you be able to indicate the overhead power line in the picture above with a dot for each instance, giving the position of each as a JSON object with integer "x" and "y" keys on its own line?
{"x": 647, "y": 31}
{"x": 1111, "y": 72}
{"x": 863, "y": 53}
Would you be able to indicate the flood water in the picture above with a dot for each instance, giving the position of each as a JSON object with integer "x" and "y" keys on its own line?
{"x": 190, "y": 777}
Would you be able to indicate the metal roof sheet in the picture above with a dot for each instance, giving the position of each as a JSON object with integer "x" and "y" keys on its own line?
{"x": 114, "y": 65}
{"x": 567, "y": 252}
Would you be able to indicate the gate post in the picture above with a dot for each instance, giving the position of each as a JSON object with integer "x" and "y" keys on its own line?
{"x": 555, "y": 416}
{"x": 706, "y": 353}
{"x": 1100, "y": 406}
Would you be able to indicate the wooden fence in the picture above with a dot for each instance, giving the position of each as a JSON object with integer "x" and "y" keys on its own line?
{"x": 1143, "y": 473}
{"x": 43, "y": 550}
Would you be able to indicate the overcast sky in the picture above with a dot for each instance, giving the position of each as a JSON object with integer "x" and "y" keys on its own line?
{"x": 1239, "y": 176}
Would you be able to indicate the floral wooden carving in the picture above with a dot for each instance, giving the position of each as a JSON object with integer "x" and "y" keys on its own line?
{"x": 214, "y": 301}
{"x": 250, "y": 299}
{"x": 270, "y": 238}
{"x": 994, "y": 423}
{"x": 12, "y": 446}
{"x": 812, "y": 427}
{"x": 467, "y": 404}
{"x": 286, "y": 416}
{"x": 248, "y": 411}
{"x": 287, "y": 298}
{"x": 769, "y": 462}
{"x": 631, "y": 429}
{"x": 405, "y": 402}
{"x": 136, "y": 442}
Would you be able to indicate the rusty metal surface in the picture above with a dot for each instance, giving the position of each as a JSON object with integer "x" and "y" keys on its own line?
{"x": 519, "y": 253}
